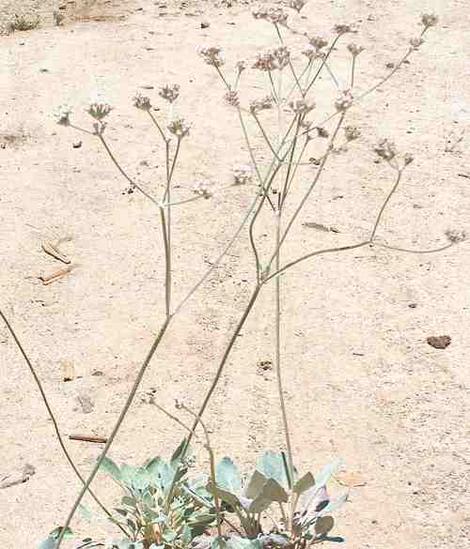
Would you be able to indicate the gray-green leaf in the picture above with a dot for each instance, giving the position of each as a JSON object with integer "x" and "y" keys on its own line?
{"x": 227, "y": 476}
{"x": 304, "y": 483}
{"x": 272, "y": 466}
{"x": 109, "y": 467}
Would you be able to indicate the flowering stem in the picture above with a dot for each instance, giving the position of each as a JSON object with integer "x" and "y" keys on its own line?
{"x": 310, "y": 189}
{"x": 123, "y": 173}
{"x": 353, "y": 69}
{"x": 384, "y": 205}
{"x": 116, "y": 428}
{"x": 323, "y": 63}
{"x": 52, "y": 416}
{"x": 291, "y": 66}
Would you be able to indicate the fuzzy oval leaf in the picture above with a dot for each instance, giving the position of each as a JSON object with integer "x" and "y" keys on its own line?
{"x": 224, "y": 495}
{"x": 179, "y": 453}
{"x": 323, "y": 525}
{"x": 304, "y": 483}
{"x": 109, "y": 467}
{"x": 271, "y": 465}
{"x": 272, "y": 492}
{"x": 227, "y": 476}
{"x": 255, "y": 485}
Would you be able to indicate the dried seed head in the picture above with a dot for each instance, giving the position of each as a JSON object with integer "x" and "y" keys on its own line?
{"x": 265, "y": 62}
{"x": 342, "y": 29}
{"x": 201, "y": 188}
{"x": 312, "y": 53}
{"x": 297, "y": 5}
{"x": 318, "y": 42}
{"x": 179, "y": 127}
{"x": 322, "y": 132}
{"x": 261, "y": 104}
{"x": 275, "y": 15}
{"x": 429, "y": 20}
{"x": 354, "y": 49}
{"x": 169, "y": 93}
{"x": 416, "y": 42}
{"x": 282, "y": 56}
{"x": 241, "y": 66}
{"x": 232, "y": 98}
{"x": 142, "y": 102}
{"x": 408, "y": 159}
{"x": 301, "y": 106}
{"x": 212, "y": 55}
{"x": 344, "y": 100}
{"x": 386, "y": 149}
{"x": 99, "y": 110}
{"x": 351, "y": 133}
{"x": 455, "y": 236}
{"x": 272, "y": 59}
{"x": 62, "y": 115}
{"x": 242, "y": 175}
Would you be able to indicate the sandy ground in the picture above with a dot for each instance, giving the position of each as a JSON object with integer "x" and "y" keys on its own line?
{"x": 362, "y": 383}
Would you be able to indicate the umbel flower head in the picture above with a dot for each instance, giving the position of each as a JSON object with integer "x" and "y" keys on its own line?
{"x": 301, "y": 106}
{"x": 311, "y": 52}
{"x": 297, "y": 5}
{"x": 212, "y": 55}
{"x": 318, "y": 42}
{"x": 351, "y": 133}
{"x": 62, "y": 115}
{"x": 342, "y": 29}
{"x": 169, "y": 93}
{"x": 344, "y": 100}
{"x": 179, "y": 127}
{"x": 354, "y": 49}
{"x": 142, "y": 102}
{"x": 231, "y": 97}
{"x": 241, "y": 66}
{"x": 275, "y": 15}
{"x": 201, "y": 188}
{"x": 386, "y": 149}
{"x": 242, "y": 175}
{"x": 271, "y": 60}
{"x": 261, "y": 104}
{"x": 99, "y": 111}
{"x": 429, "y": 20}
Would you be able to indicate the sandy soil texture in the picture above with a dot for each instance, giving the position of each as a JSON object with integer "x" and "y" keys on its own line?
{"x": 362, "y": 381}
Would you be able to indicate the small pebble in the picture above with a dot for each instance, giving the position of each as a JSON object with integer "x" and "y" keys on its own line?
{"x": 205, "y": 24}
{"x": 439, "y": 342}
{"x": 76, "y": 144}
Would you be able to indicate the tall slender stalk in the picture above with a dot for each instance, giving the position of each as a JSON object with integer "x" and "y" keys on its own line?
{"x": 52, "y": 415}
{"x": 116, "y": 428}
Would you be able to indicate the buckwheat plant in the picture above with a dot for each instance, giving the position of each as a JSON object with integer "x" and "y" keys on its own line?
{"x": 274, "y": 506}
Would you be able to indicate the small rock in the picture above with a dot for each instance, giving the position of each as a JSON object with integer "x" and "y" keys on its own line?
{"x": 412, "y": 305}
{"x": 265, "y": 365}
{"x": 439, "y": 342}
{"x": 76, "y": 144}
{"x": 205, "y": 24}
{"x": 97, "y": 373}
